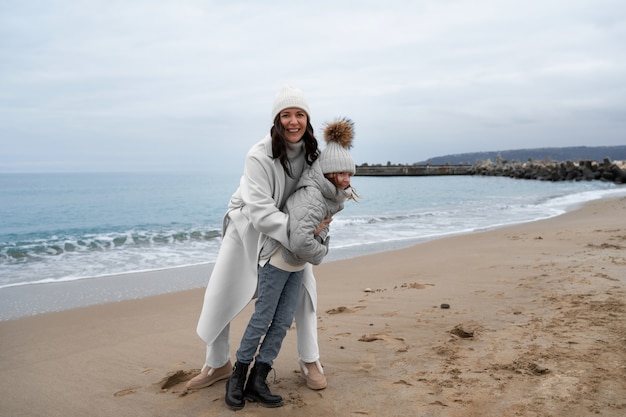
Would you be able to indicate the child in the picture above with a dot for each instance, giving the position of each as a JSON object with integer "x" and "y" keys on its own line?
{"x": 321, "y": 192}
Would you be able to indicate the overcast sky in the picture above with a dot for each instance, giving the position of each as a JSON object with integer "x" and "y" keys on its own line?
{"x": 145, "y": 85}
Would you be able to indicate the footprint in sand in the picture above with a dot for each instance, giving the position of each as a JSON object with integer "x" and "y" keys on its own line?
{"x": 391, "y": 342}
{"x": 605, "y": 276}
{"x": 124, "y": 392}
{"x": 176, "y": 377}
{"x": 344, "y": 309}
{"x": 170, "y": 380}
{"x": 339, "y": 336}
{"x": 416, "y": 286}
{"x": 367, "y": 361}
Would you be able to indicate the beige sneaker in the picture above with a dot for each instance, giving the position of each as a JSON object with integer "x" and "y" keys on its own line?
{"x": 314, "y": 375}
{"x": 209, "y": 376}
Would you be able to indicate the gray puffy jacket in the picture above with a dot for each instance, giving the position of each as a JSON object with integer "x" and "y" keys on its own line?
{"x": 315, "y": 199}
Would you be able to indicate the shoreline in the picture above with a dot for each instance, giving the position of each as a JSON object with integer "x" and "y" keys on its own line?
{"x": 534, "y": 329}
{"x": 52, "y": 297}
{"x": 32, "y": 299}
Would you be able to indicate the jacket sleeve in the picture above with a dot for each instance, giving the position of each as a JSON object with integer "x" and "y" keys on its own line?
{"x": 303, "y": 220}
{"x": 258, "y": 188}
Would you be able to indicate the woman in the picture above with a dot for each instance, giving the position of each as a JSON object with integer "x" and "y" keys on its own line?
{"x": 271, "y": 172}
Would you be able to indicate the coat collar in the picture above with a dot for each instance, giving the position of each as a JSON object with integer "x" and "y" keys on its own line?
{"x": 279, "y": 171}
{"x": 267, "y": 145}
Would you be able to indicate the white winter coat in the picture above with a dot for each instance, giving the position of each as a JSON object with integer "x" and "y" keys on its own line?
{"x": 253, "y": 211}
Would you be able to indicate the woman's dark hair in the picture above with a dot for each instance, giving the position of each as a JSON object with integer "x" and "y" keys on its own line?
{"x": 279, "y": 145}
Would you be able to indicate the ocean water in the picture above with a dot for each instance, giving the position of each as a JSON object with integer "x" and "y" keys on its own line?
{"x": 71, "y": 227}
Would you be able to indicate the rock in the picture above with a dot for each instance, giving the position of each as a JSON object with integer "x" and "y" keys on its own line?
{"x": 583, "y": 170}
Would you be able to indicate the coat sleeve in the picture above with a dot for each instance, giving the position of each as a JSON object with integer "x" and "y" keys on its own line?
{"x": 260, "y": 191}
{"x": 304, "y": 218}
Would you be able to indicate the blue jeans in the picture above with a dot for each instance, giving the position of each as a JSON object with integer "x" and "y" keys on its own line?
{"x": 273, "y": 314}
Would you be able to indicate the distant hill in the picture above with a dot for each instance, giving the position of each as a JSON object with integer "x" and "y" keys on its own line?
{"x": 572, "y": 153}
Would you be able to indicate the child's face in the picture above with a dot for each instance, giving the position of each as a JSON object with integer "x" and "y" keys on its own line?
{"x": 340, "y": 179}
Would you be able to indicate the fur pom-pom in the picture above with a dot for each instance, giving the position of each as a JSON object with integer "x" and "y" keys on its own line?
{"x": 340, "y": 130}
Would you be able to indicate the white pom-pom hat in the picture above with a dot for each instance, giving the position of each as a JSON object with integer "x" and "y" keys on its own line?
{"x": 335, "y": 157}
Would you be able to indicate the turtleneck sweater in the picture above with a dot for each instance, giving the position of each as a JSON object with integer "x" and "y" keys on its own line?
{"x": 295, "y": 155}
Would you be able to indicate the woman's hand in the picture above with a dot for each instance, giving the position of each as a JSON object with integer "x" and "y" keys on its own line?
{"x": 323, "y": 225}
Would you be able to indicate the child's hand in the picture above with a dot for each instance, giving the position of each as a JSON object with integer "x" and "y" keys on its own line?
{"x": 323, "y": 226}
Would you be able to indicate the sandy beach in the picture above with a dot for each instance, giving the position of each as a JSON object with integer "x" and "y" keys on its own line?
{"x": 535, "y": 327}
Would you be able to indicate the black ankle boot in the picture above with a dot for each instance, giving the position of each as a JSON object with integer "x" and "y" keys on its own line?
{"x": 257, "y": 389}
{"x": 234, "y": 386}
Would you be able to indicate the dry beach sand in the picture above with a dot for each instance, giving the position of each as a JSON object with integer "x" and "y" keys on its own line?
{"x": 535, "y": 328}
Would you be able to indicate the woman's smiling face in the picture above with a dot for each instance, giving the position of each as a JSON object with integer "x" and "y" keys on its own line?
{"x": 294, "y": 120}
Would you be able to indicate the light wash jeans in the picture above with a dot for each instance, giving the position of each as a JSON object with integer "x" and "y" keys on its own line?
{"x": 274, "y": 311}
{"x": 218, "y": 352}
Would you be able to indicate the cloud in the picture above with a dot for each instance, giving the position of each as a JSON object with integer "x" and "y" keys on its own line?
{"x": 151, "y": 85}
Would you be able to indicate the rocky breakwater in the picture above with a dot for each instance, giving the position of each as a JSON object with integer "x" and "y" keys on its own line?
{"x": 555, "y": 171}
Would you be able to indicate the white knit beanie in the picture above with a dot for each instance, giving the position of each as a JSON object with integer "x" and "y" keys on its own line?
{"x": 335, "y": 157}
{"x": 289, "y": 97}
